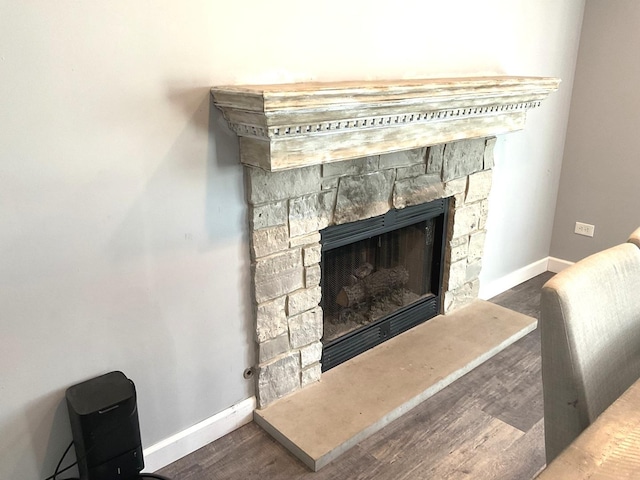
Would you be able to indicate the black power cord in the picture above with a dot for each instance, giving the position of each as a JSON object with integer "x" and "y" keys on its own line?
{"x": 57, "y": 471}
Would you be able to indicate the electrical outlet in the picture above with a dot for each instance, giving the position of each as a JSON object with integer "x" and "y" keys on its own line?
{"x": 584, "y": 229}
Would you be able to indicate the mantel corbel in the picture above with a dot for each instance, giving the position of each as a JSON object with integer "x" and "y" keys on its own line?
{"x": 295, "y": 125}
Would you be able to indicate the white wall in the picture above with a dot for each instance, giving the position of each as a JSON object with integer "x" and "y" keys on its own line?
{"x": 600, "y": 172}
{"x": 523, "y": 197}
{"x": 122, "y": 236}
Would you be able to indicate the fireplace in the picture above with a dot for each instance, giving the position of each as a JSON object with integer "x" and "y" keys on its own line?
{"x": 292, "y": 210}
{"x": 320, "y": 155}
{"x": 380, "y": 277}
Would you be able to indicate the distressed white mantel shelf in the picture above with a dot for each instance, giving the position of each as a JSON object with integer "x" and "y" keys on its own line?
{"x": 295, "y": 125}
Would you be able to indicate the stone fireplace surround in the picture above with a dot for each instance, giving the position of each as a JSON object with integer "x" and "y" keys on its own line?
{"x": 288, "y": 209}
{"x": 325, "y": 154}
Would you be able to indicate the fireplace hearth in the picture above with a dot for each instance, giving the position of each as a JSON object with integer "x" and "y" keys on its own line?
{"x": 318, "y": 155}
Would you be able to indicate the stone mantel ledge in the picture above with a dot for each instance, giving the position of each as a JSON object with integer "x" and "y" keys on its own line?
{"x": 289, "y": 126}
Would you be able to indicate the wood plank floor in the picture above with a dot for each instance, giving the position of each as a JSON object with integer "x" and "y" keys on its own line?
{"x": 486, "y": 425}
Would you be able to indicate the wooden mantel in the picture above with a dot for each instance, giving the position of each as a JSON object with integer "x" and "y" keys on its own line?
{"x": 295, "y": 125}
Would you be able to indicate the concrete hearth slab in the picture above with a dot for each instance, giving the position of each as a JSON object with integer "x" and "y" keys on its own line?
{"x": 359, "y": 397}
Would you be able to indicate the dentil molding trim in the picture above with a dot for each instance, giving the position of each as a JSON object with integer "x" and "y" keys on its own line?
{"x": 295, "y": 125}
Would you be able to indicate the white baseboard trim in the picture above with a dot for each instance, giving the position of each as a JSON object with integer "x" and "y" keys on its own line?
{"x": 512, "y": 279}
{"x": 188, "y": 441}
{"x": 556, "y": 265}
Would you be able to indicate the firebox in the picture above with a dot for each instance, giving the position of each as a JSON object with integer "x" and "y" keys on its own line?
{"x": 380, "y": 277}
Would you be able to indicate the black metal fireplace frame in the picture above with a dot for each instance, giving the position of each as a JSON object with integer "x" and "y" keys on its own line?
{"x": 358, "y": 341}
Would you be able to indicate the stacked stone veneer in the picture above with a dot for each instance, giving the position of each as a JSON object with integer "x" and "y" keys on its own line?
{"x": 288, "y": 209}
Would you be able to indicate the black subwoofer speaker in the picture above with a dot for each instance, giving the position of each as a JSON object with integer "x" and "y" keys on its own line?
{"x": 104, "y": 421}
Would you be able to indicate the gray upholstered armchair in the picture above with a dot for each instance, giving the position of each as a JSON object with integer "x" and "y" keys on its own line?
{"x": 590, "y": 328}
{"x": 635, "y": 237}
